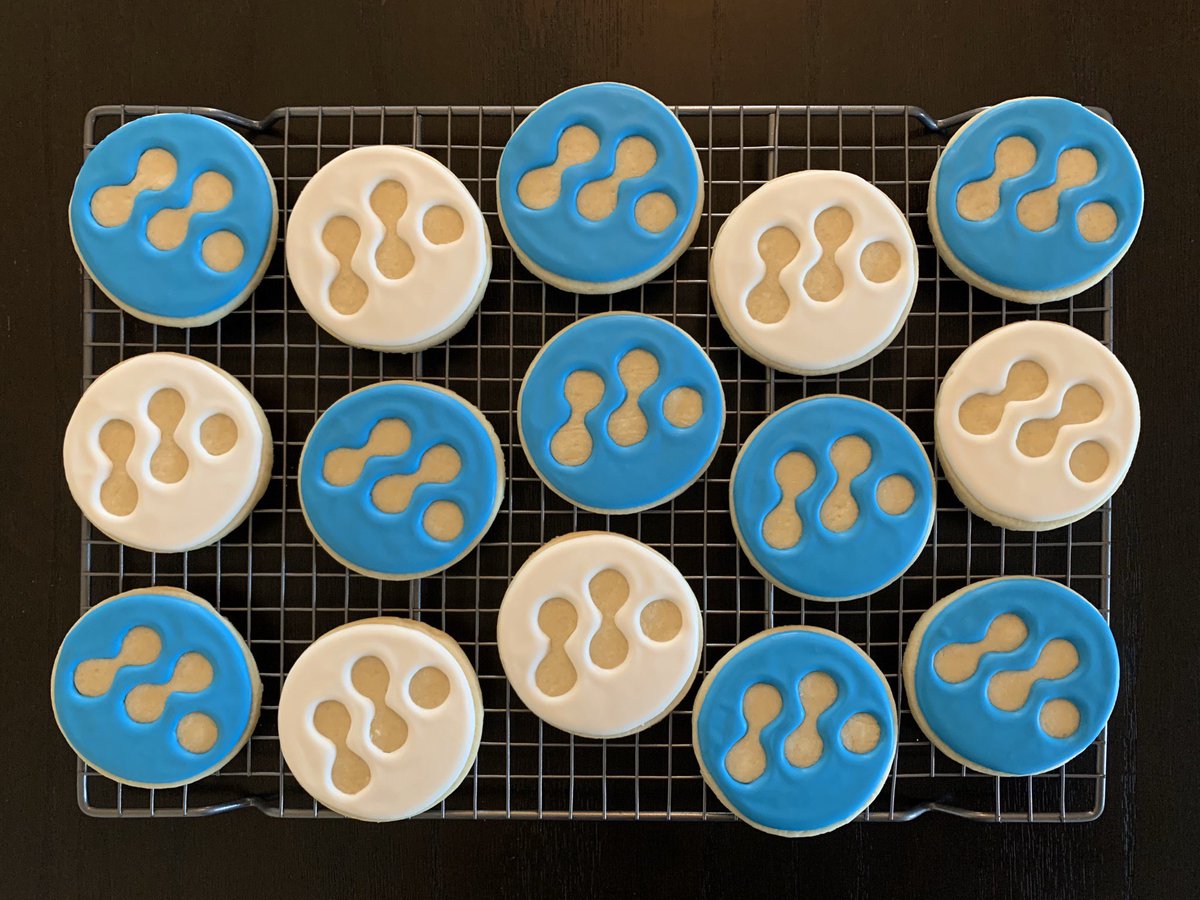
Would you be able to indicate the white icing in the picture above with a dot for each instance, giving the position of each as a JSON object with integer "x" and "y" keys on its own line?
{"x": 991, "y": 468}
{"x": 399, "y": 314}
{"x": 440, "y": 743}
{"x": 814, "y": 336}
{"x": 199, "y": 507}
{"x": 602, "y": 702}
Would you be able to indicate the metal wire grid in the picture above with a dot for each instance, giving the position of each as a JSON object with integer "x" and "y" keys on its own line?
{"x": 282, "y": 591}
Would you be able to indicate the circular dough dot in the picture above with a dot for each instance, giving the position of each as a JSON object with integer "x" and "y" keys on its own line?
{"x": 683, "y": 407}
{"x": 654, "y": 212}
{"x": 1089, "y": 461}
{"x": 661, "y": 620}
{"x": 895, "y": 495}
{"x": 196, "y": 733}
{"x": 443, "y": 520}
{"x": 443, "y": 225}
{"x": 1096, "y": 221}
{"x": 429, "y": 688}
{"x": 222, "y": 251}
{"x": 1059, "y": 718}
{"x": 880, "y": 261}
{"x": 861, "y": 733}
{"x": 218, "y": 434}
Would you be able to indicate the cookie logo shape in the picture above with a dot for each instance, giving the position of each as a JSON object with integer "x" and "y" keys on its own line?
{"x": 387, "y": 249}
{"x": 832, "y": 498}
{"x": 401, "y": 479}
{"x": 599, "y": 634}
{"x": 599, "y": 188}
{"x": 621, "y": 412}
{"x": 795, "y": 730}
{"x": 1036, "y": 425}
{"x": 155, "y": 688}
{"x": 1035, "y": 199}
{"x": 814, "y": 272}
{"x": 1012, "y": 676}
{"x": 174, "y": 216}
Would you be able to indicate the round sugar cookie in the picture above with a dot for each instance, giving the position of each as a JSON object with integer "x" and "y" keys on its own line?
{"x": 401, "y": 479}
{"x": 620, "y": 412}
{"x": 795, "y": 730}
{"x": 174, "y": 216}
{"x": 167, "y": 453}
{"x": 380, "y": 719}
{"x": 154, "y": 688}
{"x": 832, "y": 498}
{"x": 599, "y": 635}
{"x": 814, "y": 272}
{"x": 1011, "y": 676}
{"x": 599, "y": 189}
{"x": 1036, "y": 425}
{"x": 388, "y": 250}
{"x": 1035, "y": 199}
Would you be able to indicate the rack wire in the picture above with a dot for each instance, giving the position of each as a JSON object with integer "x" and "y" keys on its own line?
{"x": 282, "y": 591}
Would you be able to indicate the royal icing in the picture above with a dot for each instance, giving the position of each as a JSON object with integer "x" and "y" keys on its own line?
{"x": 616, "y": 243}
{"x": 387, "y": 249}
{"x": 796, "y": 730}
{"x": 174, "y": 216}
{"x": 814, "y": 271}
{"x": 165, "y": 452}
{"x": 599, "y": 634}
{"x": 620, "y": 412}
{"x": 1018, "y": 184}
{"x": 833, "y": 497}
{"x": 154, "y": 688}
{"x": 400, "y": 479}
{"x": 379, "y": 720}
{"x": 1020, "y": 459}
{"x": 1014, "y": 675}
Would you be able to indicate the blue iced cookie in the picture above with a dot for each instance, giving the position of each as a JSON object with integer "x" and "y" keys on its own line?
{"x": 832, "y": 497}
{"x": 174, "y": 217}
{"x": 620, "y": 412}
{"x": 1012, "y": 676}
{"x": 401, "y": 479}
{"x": 154, "y": 688}
{"x": 599, "y": 189}
{"x": 795, "y": 730}
{"x": 1035, "y": 199}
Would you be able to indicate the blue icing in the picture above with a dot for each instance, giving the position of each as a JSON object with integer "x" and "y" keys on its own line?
{"x": 346, "y": 520}
{"x": 965, "y": 720}
{"x": 102, "y": 731}
{"x": 657, "y": 467}
{"x": 878, "y": 547}
{"x": 173, "y": 283}
{"x": 561, "y": 240}
{"x": 1000, "y": 248}
{"x": 786, "y": 797}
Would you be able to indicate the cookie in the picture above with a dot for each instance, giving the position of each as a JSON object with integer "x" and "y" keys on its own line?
{"x": 380, "y": 719}
{"x": 1036, "y": 425}
{"x": 814, "y": 272}
{"x": 388, "y": 250}
{"x": 167, "y": 453}
{"x": 832, "y": 498}
{"x": 795, "y": 731}
{"x": 1035, "y": 199}
{"x": 599, "y": 189}
{"x": 401, "y": 479}
{"x": 1011, "y": 676}
{"x": 154, "y": 688}
{"x": 174, "y": 217}
{"x": 620, "y": 412}
{"x": 599, "y": 635}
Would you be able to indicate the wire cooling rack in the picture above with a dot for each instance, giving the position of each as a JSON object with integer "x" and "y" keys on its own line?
{"x": 282, "y": 591}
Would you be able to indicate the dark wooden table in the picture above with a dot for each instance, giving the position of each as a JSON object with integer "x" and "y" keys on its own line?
{"x": 58, "y": 58}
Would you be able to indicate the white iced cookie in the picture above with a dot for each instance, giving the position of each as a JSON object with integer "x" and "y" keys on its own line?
{"x": 1036, "y": 425}
{"x": 388, "y": 250}
{"x": 599, "y": 634}
{"x": 380, "y": 719}
{"x": 814, "y": 272}
{"x": 167, "y": 453}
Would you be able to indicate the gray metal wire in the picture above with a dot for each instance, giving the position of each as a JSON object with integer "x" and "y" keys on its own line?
{"x": 282, "y": 591}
